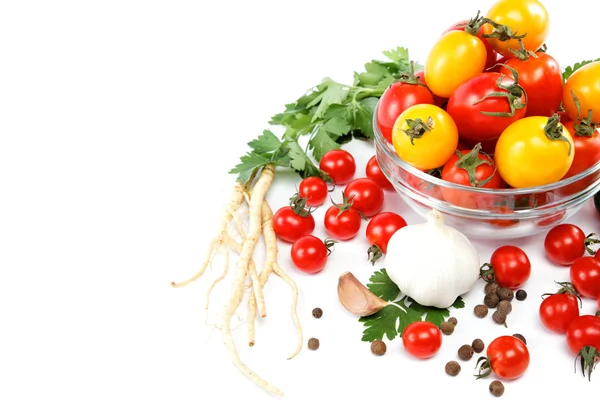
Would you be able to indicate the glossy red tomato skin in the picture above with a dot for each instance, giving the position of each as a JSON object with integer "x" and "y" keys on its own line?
{"x": 558, "y": 311}
{"x": 373, "y": 171}
{"x": 512, "y": 267}
{"x": 397, "y": 98}
{"x": 587, "y": 150}
{"x": 309, "y": 254}
{"x": 290, "y": 227}
{"x": 598, "y": 302}
{"x": 541, "y": 78}
{"x": 508, "y": 357}
{"x": 422, "y": 339}
{"x": 339, "y": 165}
{"x": 492, "y": 55}
{"x": 564, "y": 244}
{"x": 585, "y": 276}
{"x": 584, "y": 331}
{"x": 381, "y": 228}
{"x": 366, "y": 195}
{"x": 438, "y": 101}
{"x": 314, "y": 190}
{"x": 342, "y": 227}
{"x": 464, "y": 108}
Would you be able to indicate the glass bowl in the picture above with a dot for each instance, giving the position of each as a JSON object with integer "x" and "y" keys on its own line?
{"x": 486, "y": 213}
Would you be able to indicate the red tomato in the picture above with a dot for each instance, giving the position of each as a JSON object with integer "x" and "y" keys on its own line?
{"x": 314, "y": 190}
{"x": 422, "y": 339}
{"x": 290, "y": 226}
{"x": 374, "y": 172}
{"x": 541, "y": 78}
{"x": 557, "y": 311}
{"x": 309, "y": 254}
{"x": 503, "y": 223}
{"x": 468, "y": 107}
{"x": 397, "y": 98}
{"x": 552, "y": 219}
{"x": 585, "y": 276}
{"x": 379, "y": 231}
{"x": 511, "y": 267}
{"x": 342, "y": 222}
{"x": 365, "y": 195}
{"x": 492, "y": 55}
{"x": 564, "y": 244}
{"x": 587, "y": 150}
{"x": 339, "y": 165}
{"x": 599, "y": 303}
{"x": 584, "y": 331}
{"x": 508, "y": 357}
{"x": 438, "y": 101}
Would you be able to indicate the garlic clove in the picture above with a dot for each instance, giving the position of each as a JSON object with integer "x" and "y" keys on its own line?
{"x": 356, "y": 298}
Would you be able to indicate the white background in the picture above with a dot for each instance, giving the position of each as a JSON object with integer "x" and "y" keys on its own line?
{"x": 119, "y": 121}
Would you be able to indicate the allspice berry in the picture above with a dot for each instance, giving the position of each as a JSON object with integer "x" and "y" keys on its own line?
{"x": 481, "y": 311}
{"x": 505, "y": 294}
{"x": 453, "y": 321}
{"x": 499, "y": 317}
{"x": 465, "y": 352}
{"x": 452, "y": 368}
{"x": 521, "y": 295}
{"x": 491, "y": 288}
{"x": 313, "y": 343}
{"x": 317, "y": 313}
{"x": 447, "y": 328}
{"x": 491, "y": 300}
{"x": 598, "y": 313}
{"x": 478, "y": 345}
{"x": 505, "y": 307}
{"x": 378, "y": 347}
{"x": 520, "y": 337}
{"x": 497, "y": 388}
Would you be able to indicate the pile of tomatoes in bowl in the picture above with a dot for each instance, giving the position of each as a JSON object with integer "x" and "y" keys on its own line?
{"x": 492, "y": 132}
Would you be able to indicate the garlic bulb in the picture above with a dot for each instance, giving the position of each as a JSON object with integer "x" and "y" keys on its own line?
{"x": 432, "y": 263}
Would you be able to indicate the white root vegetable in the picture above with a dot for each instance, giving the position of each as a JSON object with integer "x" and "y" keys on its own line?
{"x": 432, "y": 263}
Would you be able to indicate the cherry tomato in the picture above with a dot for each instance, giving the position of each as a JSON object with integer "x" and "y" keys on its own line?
{"x": 584, "y": 331}
{"x": 290, "y": 226}
{"x": 492, "y": 55}
{"x": 373, "y": 171}
{"x": 585, "y": 276}
{"x": 342, "y": 222}
{"x": 503, "y": 223}
{"x": 379, "y": 231}
{"x": 552, "y": 219}
{"x": 438, "y": 101}
{"x": 525, "y": 146}
{"x": 430, "y": 142}
{"x": 511, "y": 267}
{"x": 455, "y": 58}
{"x": 470, "y": 108}
{"x": 314, "y": 190}
{"x": 366, "y": 196}
{"x": 522, "y": 16}
{"x": 422, "y": 339}
{"x": 508, "y": 357}
{"x": 541, "y": 77}
{"x": 424, "y": 187}
{"x": 585, "y": 83}
{"x": 587, "y": 150}
{"x": 309, "y": 254}
{"x": 339, "y": 165}
{"x": 564, "y": 244}
{"x": 557, "y": 311}
{"x": 397, "y": 98}
{"x": 598, "y": 302}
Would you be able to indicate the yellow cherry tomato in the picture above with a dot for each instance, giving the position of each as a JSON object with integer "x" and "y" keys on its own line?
{"x": 526, "y": 156}
{"x": 425, "y": 136}
{"x": 585, "y": 83}
{"x": 455, "y": 58}
{"x": 521, "y": 16}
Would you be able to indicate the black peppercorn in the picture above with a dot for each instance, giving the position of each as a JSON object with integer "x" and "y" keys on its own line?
{"x": 491, "y": 300}
{"x": 521, "y": 295}
{"x": 478, "y": 345}
{"x": 497, "y": 388}
{"x": 317, "y": 313}
{"x": 452, "y": 368}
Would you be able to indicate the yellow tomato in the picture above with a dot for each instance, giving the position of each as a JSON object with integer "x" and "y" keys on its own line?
{"x": 431, "y": 143}
{"x": 585, "y": 83}
{"x": 521, "y": 16}
{"x": 455, "y": 58}
{"x": 525, "y": 156}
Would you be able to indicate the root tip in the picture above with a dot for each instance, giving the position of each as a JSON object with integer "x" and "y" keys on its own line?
{"x": 251, "y": 344}
{"x": 173, "y": 284}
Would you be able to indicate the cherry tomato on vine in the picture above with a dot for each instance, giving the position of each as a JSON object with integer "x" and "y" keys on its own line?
{"x": 422, "y": 339}
{"x": 492, "y": 55}
{"x": 339, "y": 165}
{"x": 587, "y": 148}
{"x": 585, "y": 83}
{"x": 566, "y": 243}
{"x": 585, "y": 276}
{"x": 292, "y": 222}
{"x": 557, "y": 311}
{"x": 507, "y": 357}
{"x": 366, "y": 196}
{"x": 342, "y": 221}
{"x": 374, "y": 172}
{"x": 314, "y": 190}
{"x": 522, "y": 16}
{"x": 438, "y": 101}
{"x": 309, "y": 253}
{"x": 511, "y": 267}
{"x": 583, "y": 338}
{"x": 425, "y": 136}
{"x": 379, "y": 231}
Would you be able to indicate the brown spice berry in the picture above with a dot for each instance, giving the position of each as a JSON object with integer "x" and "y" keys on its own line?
{"x": 505, "y": 307}
{"x": 497, "y": 388}
{"x": 491, "y": 300}
{"x": 598, "y": 313}
{"x": 520, "y": 337}
{"x": 378, "y": 347}
{"x": 481, "y": 311}
{"x": 453, "y": 321}
{"x": 499, "y": 317}
{"x": 317, "y": 313}
{"x": 313, "y": 343}
{"x": 465, "y": 352}
{"x": 452, "y": 368}
{"x": 505, "y": 294}
{"x": 521, "y": 295}
{"x": 478, "y": 345}
{"x": 447, "y": 328}
{"x": 491, "y": 288}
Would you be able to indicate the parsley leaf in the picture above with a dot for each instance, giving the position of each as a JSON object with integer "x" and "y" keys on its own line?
{"x": 570, "y": 70}
{"x": 364, "y": 116}
{"x": 265, "y": 143}
{"x": 332, "y": 93}
{"x": 433, "y": 314}
{"x": 382, "y": 286}
{"x": 397, "y": 55}
{"x": 266, "y": 149}
{"x": 301, "y": 163}
{"x": 321, "y": 143}
{"x": 390, "y": 321}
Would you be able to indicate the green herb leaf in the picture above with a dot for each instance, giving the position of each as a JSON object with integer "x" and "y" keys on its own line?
{"x": 364, "y": 116}
{"x": 301, "y": 163}
{"x": 433, "y": 314}
{"x": 332, "y": 93}
{"x": 397, "y": 55}
{"x": 382, "y": 286}
{"x": 321, "y": 143}
{"x": 570, "y": 70}
{"x": 265, "y": 143}
{"x": 390, "y": 321}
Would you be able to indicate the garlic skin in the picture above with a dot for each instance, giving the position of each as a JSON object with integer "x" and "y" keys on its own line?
{"x": 356, "y": 297}
{"x": 432, "y": 263}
